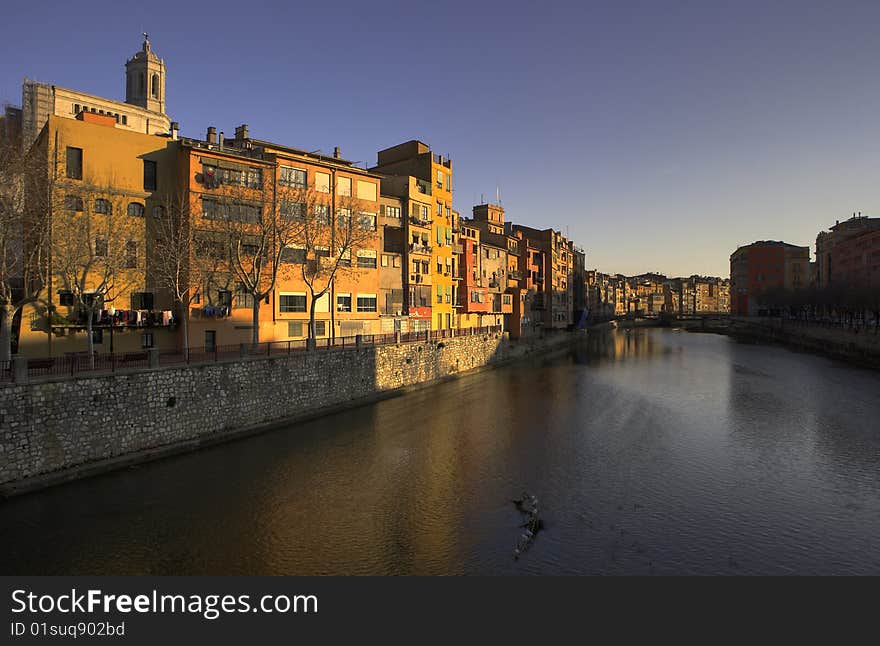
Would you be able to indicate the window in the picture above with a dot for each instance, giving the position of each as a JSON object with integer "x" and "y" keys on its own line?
{"x": 439, "y": 179}
{"x": 320, "y": 328}
{"x": 449, "y": 182}
{"x": 345, "y": 258}
{"x": 131, "y": 255}
{"x": 124, "y": 120}
{"x": 103, "y": 206}
{"x": 73, "y": 203}
{"x": 154, "y": 86}
{"x": 366, "y": 303}
{"x": 322, "y": 214}
{"x": 343, "y": 186}
{"x": 236, "y": 212}
{"x": 366, "y": 259}
{"x": 136, "y": 209}
{"x": 158, "y": 211}
{"x": 294, "y": 328}
{"x": 385, "y": 259}
{"x": 292, "y": 210}
{"x": 293, "y": 177}
{"x": 293, "y": 254}
{"x": 100, "y": 246}
{"x": 243, "y": 297}
{"x": 142, "y": 300}
{"x": 224, "y": 298}
{"x": 392, "y": 212}
{"x": 343, "y": 302}
{"x": 439, "y": 209}
{"x": 367, "y": 221}
{"x": 254, "y": 178}
{"x": 292, "y": 303}
{"x": 343, "y": 218}
{"x": 322, "y": 182}
{"x": 424, "y": 211}
{"x": 149, "y": 175}
{"x": 439, "y": 293}
{"x": 147, "y": 340}
{"x": 65, "y": 298}
{"x": 396, "y": 261}
{"x": 366, "y": 190}
{"x": 74, "y": 163}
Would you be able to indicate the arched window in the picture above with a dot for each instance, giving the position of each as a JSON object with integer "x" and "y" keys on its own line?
{"x": 103, "y": 206}
{"x": 155, "y": 86}
{"x": 136, "y": 209}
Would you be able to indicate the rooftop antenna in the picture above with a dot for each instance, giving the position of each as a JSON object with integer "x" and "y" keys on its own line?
{"x": 497, "y": 195}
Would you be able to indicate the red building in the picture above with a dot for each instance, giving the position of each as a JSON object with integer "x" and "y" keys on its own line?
{"x": 856, "y": 260}
{"x": 473, "y": 294}
{"x": 763, "y": 266}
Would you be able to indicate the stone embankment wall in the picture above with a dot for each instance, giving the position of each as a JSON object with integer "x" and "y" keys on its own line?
{"x": 859, "y": 346}
{"x": 58, "y": 430}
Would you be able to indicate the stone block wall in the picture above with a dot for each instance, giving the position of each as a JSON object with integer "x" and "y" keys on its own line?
{"x": 60, "y": 425}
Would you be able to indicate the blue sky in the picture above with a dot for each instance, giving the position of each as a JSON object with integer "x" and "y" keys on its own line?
{"x": 659, "y": 135}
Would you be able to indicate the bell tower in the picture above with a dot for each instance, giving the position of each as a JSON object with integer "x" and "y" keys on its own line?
{"x": 145, "y": 79}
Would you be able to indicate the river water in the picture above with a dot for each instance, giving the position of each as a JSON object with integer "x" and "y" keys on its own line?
{"x": 652, "y": 452}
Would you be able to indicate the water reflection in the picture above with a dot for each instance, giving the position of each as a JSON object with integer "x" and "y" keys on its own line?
{"x": 653, "y": 451}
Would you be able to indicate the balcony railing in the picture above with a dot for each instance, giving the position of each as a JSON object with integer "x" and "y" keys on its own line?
{"x": 419, "y": 222}
{"x": 419, "y": 248}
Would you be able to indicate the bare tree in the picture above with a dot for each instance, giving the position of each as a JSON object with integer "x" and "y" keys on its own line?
{"x": 95, "y": 254}
{"x": 24, "y": 216}
{"x": 185, "y": 261}
{"x": 325, "y": 246}
{"x": 254, "y": 236}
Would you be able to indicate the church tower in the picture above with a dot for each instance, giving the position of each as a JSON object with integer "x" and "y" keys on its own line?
{"x": 145, "y": 79}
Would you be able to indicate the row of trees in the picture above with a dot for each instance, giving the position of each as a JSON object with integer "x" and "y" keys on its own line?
{"x": 98, "y": 244}
{"x": 852, "y": 303}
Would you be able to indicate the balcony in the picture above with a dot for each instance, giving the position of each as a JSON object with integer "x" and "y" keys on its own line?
{"x": 419, "y": 222}
{"x": 515, "y": 274}
{"x": 420, "y": 248}
{"x": 424, "y": 187}
{"x": 458, "y": 248}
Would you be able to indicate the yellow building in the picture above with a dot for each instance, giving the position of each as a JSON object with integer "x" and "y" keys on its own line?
{"x": 106, "y": 184}
{"x": 412, "y": 172}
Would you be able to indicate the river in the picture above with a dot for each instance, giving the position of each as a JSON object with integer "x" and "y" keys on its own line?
{"x": 655, "y": 451}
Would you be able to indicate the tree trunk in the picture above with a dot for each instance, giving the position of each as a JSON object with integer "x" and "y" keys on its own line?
{"x": 312, "y": 318}
{"x": 255, "y": 339}
{"x": 6, "y": 314}
{"x": 184, "y": 328}
{"x": 90, "y": 340}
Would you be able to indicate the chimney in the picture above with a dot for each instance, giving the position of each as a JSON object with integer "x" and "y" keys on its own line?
{"x": 175, "y": 129}
{"x": 221, "y": 139}
{"x": 211, "y": 137}
{"x": 336, "y": 152}
{"x": 241, "y": 132}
